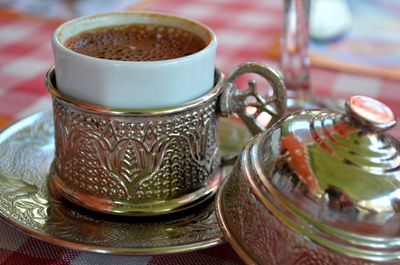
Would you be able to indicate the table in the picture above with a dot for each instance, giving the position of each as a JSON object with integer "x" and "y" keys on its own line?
{"x": 244, "y": 30}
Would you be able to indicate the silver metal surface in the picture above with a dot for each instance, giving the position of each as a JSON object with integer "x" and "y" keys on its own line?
{"x": 27, "y": 203}
{"x": 370, "y": 114}
{"x": 136, "y": 162}
{"x": 319, "y": 187}
{"x": 150, "y": 161}
{"x": 237, "y": 101}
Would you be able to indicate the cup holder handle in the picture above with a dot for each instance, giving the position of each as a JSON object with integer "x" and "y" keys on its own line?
{"x": 249, "y": 104}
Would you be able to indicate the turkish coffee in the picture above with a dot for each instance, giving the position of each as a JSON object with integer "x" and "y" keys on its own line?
{"x": 136, "y": 42}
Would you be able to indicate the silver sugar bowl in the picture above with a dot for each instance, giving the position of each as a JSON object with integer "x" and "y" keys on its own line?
{"x": 319, "y": 187}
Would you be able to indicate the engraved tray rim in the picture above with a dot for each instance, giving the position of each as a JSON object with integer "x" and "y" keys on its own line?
{"x": 10, "y": 218}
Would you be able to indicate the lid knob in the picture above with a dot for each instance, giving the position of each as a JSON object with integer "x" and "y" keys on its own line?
{"x": 370, "y": 113}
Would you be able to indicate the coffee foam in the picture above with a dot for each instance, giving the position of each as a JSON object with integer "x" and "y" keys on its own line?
{"x": 136, "y": 42}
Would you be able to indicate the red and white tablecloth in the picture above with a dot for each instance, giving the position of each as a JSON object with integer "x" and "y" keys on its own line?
{"x": 244, "y": 30}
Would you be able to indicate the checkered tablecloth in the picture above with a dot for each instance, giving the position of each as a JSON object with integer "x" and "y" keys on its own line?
{"x": 244, "y": 30}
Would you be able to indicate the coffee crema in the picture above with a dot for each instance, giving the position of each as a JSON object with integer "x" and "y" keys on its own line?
{"x": 136, "y": 42}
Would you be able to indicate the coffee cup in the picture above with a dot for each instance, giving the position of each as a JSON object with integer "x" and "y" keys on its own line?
{"x": 135, "y": 84}
{"x": 150, "y": 160}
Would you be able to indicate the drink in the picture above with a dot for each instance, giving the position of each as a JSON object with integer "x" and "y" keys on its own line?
{"x": 136, "y": 60}
{"x": 136, "y": 42}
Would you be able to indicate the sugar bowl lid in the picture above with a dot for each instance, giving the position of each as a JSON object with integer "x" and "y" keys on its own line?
{"x": 333, "y": 177}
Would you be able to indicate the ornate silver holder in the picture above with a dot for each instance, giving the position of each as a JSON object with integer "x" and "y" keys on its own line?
{"x": 26, "y": 202}
{"x": 151, "y": 161}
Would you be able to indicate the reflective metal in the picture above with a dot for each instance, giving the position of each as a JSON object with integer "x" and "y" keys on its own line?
{"x": 238, "y": 101}
{"x": 319, "y": 187}
{"x": 149, "y": 161}
{"x": 26, "y": 202}
{"x": 136, "y": 162}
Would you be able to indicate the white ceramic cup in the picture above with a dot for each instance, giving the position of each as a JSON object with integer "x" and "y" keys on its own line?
{"x": 130, "y": 84}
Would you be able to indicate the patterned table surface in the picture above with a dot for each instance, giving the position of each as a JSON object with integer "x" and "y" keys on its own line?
{"x": 244, "y": 30}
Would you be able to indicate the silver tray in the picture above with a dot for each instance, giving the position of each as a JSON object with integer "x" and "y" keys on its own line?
{"x": 27, "y": 203}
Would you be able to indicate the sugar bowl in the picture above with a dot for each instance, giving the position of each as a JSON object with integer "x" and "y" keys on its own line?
{"x": 319, "y": 187}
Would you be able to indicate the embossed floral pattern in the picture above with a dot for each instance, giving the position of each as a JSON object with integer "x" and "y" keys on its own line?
{"x": 128, "y": 159}
{"x": 44, "y": 214}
